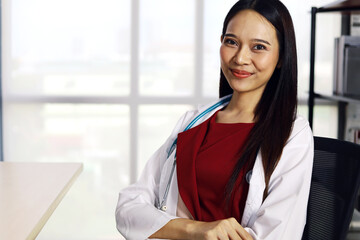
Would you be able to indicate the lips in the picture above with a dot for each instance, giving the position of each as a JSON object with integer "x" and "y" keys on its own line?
{"x": 240, "y": 73}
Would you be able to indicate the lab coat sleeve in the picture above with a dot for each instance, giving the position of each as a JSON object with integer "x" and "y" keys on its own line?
{"x": 282, "y": 215}
{"x": 136, "y": 215}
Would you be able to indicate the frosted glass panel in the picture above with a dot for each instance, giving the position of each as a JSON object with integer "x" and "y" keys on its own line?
{"x": 69, "y": 47}
{"x": 156, "y": 123}
{"x": 97, "y": 136}
{"x": 167, "y": 47}
{"x": 329, "y": 28}
{"x": 325, "y": 121}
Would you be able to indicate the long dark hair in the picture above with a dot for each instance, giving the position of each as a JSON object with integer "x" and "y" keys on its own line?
{"x": 275, "y": 112}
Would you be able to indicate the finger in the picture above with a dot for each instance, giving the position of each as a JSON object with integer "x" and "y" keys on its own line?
{"x": 231, "y": 229}
{"x": 233, "y": 234}
{"x": 242, "y": 233}
{"x": 222, "y": 235}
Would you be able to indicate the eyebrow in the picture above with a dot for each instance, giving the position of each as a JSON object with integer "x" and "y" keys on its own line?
{"x": 253, "y": 40}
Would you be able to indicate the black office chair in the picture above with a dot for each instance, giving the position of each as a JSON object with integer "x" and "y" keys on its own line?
{"x": 334, "y": 189}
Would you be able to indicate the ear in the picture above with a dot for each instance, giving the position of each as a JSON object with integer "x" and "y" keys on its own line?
{"x": 221, "y": 38}
{"x": 279, "y": 64}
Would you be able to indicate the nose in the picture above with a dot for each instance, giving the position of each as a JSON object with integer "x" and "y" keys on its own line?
{"x": 243, "y": 56}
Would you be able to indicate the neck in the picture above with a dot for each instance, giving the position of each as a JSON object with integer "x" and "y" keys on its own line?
{"x": 241, "y": 108}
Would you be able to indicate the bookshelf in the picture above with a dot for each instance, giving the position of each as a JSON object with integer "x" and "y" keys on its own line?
{"x": 344, "y": 7}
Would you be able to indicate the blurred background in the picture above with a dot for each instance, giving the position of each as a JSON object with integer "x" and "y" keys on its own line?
{"x": 104, "y": 82}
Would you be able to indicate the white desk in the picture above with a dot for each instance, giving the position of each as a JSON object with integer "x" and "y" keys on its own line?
{"x": 29, "y": 194}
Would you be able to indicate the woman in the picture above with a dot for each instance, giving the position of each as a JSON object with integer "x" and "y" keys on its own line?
{"x": 239, "y": 168}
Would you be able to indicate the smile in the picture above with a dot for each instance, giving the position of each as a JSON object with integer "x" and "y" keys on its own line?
{"x": 240, "y": 73}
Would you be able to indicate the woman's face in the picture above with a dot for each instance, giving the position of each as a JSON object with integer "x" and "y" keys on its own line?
{"x": 249, "y": 52}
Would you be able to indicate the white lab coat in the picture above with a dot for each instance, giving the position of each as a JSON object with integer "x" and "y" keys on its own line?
{"x": 281, "y": 216}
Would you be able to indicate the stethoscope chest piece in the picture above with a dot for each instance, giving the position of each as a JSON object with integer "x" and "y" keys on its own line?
{"x": 248, "y": 176}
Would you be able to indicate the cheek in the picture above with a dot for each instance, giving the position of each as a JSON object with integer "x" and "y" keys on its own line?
{"x": 266, "y": 63}
{"x": 223, "y": 54}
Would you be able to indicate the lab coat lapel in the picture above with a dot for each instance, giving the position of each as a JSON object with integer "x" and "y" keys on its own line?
{"x": 255, "y": 193}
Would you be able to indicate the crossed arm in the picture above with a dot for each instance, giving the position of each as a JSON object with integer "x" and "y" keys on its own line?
{"x": 181, "y": 228}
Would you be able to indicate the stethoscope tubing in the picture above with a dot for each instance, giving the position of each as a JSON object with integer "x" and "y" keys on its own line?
{"x": 162, "y": 205}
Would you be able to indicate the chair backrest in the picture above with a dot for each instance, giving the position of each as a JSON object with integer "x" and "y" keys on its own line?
{"x": 334, "y": 187}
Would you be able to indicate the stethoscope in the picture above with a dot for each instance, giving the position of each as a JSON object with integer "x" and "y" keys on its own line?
{"x": 162, "y": 205}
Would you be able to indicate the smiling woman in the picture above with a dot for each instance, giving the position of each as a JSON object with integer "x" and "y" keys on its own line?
{"x": 238, "y": 168}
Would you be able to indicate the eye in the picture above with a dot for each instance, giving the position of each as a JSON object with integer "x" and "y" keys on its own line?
{"x": 259, "y": 47}
{"x": 229, "y": 41}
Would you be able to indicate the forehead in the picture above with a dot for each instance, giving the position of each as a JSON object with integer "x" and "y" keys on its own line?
{"x": 249, "y": 23}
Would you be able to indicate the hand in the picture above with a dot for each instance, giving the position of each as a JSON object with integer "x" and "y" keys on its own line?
{"x": 226, "y": 229}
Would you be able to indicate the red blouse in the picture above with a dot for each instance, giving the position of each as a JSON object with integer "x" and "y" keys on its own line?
{"x": 206, "y": 157}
